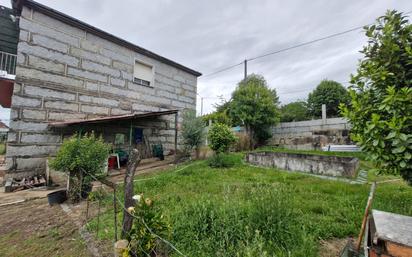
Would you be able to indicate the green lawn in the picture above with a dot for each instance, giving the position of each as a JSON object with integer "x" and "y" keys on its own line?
{"x": 250, "y": 211}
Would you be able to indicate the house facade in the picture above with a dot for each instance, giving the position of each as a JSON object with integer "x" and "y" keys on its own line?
{"x": 67, "y": 70}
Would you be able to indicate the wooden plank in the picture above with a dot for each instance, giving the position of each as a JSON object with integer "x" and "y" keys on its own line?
{"x": 397, "y": 250}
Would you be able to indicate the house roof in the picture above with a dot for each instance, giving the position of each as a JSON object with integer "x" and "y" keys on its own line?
{"x": 18, "y": 4}
{"x": 9, "y": 32}
{"x": 3, "y": 126}
{"x": 111, "y": 118}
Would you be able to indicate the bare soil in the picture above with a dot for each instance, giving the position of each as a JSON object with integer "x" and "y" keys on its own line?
{"x": 332, "y": 247}
{"x": 34, "y": 228}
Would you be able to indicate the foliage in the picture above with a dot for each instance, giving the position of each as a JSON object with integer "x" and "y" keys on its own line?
{"x": 216, "y": 212}
{"x": 255, "y": 105}
{"x": 295, "y": 111}
{"x": 142, "y": 240}
{"x": 221, "y": 138}
{"x": 242, "y": 142}
{"x": 328, "y": 92}
{"x": 217, "y": 117}
{"x": 2, "y": 148}
{"x": 81, "y": 156}
{"x": 380, "y": 110}
{"x": 223, "y": 160}
{"x": 193, "y": 131}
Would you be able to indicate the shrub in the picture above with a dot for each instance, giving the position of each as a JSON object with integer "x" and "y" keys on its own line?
{"x": 223, "y": 160}
{"x": 193, "y": 131}
{"x": 2, "y": 148}
{"x": 380, "y": 110}
{"x": 221, "y": 138}
{"x": 142, "y": 240}
{"x": 242, "y": 143}
{"x": 81, "y": 157}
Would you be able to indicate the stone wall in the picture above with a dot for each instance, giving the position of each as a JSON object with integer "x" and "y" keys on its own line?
{"x": 307, "y": 163}
{"x": 311, "y": 134}
{"x": 66, "y": 73}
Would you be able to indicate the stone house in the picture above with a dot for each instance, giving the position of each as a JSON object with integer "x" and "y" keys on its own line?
{"x": 71, "y": 77}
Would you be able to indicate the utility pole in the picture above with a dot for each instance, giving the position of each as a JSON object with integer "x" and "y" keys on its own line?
{"x": 245, "y": 62}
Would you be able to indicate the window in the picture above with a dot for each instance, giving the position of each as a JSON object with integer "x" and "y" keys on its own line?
{"x": 143, "y": 74}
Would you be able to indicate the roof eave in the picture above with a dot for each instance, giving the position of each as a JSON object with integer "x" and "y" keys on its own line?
{"x": 18, "y": 5}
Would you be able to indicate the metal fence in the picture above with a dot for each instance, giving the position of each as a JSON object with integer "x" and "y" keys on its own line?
{"x": 7, "y": 64}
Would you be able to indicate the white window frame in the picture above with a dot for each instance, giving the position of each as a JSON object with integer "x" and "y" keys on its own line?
{"x": 137, "y": 60}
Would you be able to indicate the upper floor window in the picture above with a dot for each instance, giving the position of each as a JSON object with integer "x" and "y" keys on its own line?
{"x": 143, "y": 74}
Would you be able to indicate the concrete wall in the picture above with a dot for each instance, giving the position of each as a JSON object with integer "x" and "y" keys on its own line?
{"x": 315, "y": 164}
{"x": 311, "y": 134}
{"x": 64, "y": 73}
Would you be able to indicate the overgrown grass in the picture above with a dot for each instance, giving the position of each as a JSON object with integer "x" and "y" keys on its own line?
{"x": 250, "y": 211}
{"x": 359, "y": 155}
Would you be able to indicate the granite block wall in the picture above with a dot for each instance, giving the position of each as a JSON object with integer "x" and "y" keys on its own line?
{"x": 66, "y": 73}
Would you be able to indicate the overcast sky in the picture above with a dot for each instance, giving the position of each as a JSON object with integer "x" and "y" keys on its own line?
{"x": 210, "y": 35}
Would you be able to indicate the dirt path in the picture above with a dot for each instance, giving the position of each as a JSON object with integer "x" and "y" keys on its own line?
{"x": 33, "y": 228}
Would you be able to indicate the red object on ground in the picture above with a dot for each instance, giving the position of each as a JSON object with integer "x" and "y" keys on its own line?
{"x": 112, "y": 162}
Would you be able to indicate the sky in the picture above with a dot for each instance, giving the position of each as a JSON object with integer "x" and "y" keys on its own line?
{"x": 210, "y": 35}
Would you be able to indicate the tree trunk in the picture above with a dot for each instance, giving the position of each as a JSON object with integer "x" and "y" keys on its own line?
{"x": 249, "y": 132}
{"x": 134, "y": 160}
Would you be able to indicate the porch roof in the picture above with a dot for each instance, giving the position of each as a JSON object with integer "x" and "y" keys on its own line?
{"x": 133, "y": 116}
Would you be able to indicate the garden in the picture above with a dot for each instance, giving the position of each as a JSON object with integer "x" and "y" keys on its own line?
{"x": 251, "y": 211}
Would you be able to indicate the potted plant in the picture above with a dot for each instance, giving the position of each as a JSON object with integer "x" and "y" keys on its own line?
{"x": 82, "y": 158}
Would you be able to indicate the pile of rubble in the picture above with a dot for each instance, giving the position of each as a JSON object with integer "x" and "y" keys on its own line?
{"x": 13, "y": 185}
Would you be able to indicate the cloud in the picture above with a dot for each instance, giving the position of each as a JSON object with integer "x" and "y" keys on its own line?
{"x": 209, "y": 35}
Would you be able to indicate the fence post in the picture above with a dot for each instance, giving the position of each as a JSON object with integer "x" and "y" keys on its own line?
{"x": 323, "y": 113}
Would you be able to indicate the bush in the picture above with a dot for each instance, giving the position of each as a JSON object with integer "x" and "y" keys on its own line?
{"x": 142, "y": 240}
{"x": 221, "y": 138}
{"x": 193, "y": 131}
{"x": 380, "y": 110}
{"x": 81, "y": 157}
{"x": 242, "y": 143}
{"x": 2, "y": 148}
{"x": 223, "y": 160}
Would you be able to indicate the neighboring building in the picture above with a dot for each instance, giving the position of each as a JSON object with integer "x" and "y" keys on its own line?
{"x": 70, "y": 74}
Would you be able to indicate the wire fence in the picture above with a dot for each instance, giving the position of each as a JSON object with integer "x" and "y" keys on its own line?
{"x": 119, "y": 207}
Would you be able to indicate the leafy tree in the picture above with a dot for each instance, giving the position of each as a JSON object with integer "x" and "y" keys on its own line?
{"x": 328, "y": 92}
{"x": 295, "y": 111}
{"x": 256, "y": 106}
{"x": 193, "y": 131}
{"x": 217, "y": 117}
{"x": 380, "y": 110}
{"x": 221, "y": 138}
{"x": 81, "y": 157}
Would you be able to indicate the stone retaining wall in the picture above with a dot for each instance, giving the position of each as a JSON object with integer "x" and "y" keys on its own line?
{"x": 307, "y": 163}
{"x": 311, "y": 134}
{"x": 66, "y": 73}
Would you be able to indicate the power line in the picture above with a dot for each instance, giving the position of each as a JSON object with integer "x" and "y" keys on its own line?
{"x": 290, "y": 48}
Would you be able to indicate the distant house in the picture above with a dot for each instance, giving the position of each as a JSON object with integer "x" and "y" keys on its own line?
{"x": 71, "y": 77}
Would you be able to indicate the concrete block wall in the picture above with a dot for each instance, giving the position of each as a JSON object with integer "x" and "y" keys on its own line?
{"x": 66, "y": 73}
{"x": 311, "y": 134}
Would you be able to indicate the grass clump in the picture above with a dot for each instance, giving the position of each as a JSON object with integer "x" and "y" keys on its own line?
{"x": 222, "y": 160}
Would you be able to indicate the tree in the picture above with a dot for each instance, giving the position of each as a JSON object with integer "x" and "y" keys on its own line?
{"x": 256, "y": 106}
{"x": 328, "y": 92}
{"x": 221, "y": 138}
{"x": 193, "y": 131}
{"x": 81, "y": 157}
{"x": 380, "y": 110}
{"x": 295, "y": 111}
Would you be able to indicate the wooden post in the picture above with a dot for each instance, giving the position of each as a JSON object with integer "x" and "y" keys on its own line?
{"x": 134, "y": 160}
{"x": 365, "y": 217}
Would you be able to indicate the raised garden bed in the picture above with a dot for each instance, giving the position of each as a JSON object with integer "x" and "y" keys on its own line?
{"x": 308, "y": 163}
